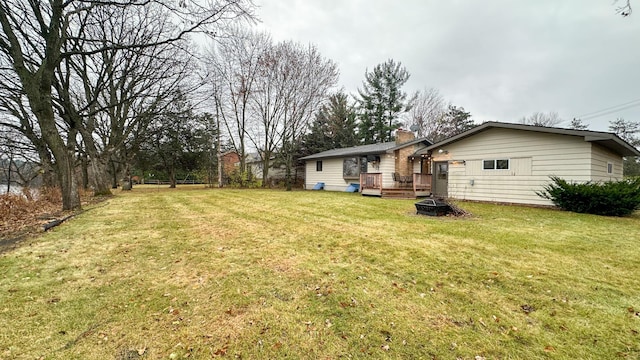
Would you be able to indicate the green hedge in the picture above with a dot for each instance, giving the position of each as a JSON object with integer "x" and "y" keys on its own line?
{"x": 613, "y": 198}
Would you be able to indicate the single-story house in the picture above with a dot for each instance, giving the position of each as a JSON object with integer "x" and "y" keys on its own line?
{"x": 493, "y": 162}
{"x": 230, "y": 162}
{"x": 384, "y": 169}
{"x": 509, "y": 163}
{"x": 255, "y": 164}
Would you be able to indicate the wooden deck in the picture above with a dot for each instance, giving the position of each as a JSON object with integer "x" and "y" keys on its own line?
{"x": 371, "y": 184}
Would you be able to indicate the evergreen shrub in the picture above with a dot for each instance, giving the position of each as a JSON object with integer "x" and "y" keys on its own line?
{"x": 611, "y": 198}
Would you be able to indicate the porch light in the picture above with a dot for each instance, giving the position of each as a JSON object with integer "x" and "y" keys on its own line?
{"x": 441, "y": 151}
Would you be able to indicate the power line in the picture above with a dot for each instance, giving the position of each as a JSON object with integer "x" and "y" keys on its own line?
{"x": 609, "y": 112}
{"x": 606, "y": 111}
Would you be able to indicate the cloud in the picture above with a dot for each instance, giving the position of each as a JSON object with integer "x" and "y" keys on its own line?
{"x": 499, "y": 59}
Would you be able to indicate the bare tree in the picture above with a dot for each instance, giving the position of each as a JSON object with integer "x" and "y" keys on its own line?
{"x": 20, "y": 123}
{"x": 266, "y": 93}
{"x": 269, "y": 106}
{"x": 122, "y": 90}
{"x": 427, "y": 108}
{"x": 628, "y": 130}
{"x": 36, "y": 37}
{"x": 19, "y": 160}
{"x": 624, "y": 9}
{"x": 542, "y": 119}
{"x": 235, "y": 62}
{"x": 306, "y": 78}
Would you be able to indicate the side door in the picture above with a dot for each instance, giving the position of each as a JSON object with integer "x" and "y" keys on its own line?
{"x": 440, "y": 178}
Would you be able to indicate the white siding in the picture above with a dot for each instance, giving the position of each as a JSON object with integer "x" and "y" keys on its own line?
{"x": 533, "y": 158}
{"x": 599, "y": 160}
{"x": 331, "y": 175}
{"x": 387, "y": 168}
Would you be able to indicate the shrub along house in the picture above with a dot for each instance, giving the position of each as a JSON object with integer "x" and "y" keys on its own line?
{"x": 509, "y": 163}
{"x": 384, "y": 169}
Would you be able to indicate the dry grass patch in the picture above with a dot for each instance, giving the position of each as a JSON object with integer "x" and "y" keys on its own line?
{"x": 265, "y": 274}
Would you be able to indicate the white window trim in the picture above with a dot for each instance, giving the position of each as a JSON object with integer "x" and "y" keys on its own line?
{"x": 495, "y": 164}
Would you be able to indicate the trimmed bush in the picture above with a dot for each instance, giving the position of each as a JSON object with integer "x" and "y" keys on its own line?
{"x": 613, "y": 198}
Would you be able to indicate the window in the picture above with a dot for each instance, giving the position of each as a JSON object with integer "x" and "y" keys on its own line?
{"x": 609, "y": 168}
{"x": 442, "y": 170}
{"x": 353, "y": 167}
{"x": 500, "y": 164}
{"x": 364, "y": 163}
{"x": 319, "y": 165}
{"x": 489, "y": 164}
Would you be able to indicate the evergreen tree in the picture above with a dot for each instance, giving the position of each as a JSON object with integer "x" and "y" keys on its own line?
{"x": 577, "y": 124}
{"x": 381, "y": 101}
{"x": 178, "y": 142}
{"x": 453, "y": 122}
{"x": 334, "y": 126}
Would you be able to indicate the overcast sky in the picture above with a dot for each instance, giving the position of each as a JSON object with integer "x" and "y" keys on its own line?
{"x": 499, "y": 59}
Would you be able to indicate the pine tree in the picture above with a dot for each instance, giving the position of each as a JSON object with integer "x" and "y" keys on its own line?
{"x": 381, "y": 102}
{"x": 577, "y": 124}
{"x": 333, "y": 127}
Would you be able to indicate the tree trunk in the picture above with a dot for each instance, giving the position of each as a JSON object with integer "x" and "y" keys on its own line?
{"x": 265, "y": 168}
{"x": 172, "y": 177}
{"x": 85, "y": 172}
{"x": 9, "y": 171}
{"x": 68, "y": 184}
{"x": 288, "y": 173}
{"x": 114, "y": 174}
{"x": 48, "y": 174}
{"x": 99, "y": 166}
{"x": 219, "y": 148}
{"x": 100, "y": 179}
{"x": 64, "y": 155}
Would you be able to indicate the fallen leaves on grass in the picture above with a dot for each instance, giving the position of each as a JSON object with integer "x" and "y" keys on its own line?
{"x": 527, "y": 308}
{"x": 19, "y": 212}
{"x": 22, "y": 214}
{"x": 220, "y": 352}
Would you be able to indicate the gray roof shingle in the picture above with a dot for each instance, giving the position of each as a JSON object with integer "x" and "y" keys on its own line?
{"x": 363, "y": 150}
{"x": 606, "y": 139}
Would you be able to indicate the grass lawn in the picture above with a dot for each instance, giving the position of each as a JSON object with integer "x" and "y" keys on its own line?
{"x": 200, "y": 273}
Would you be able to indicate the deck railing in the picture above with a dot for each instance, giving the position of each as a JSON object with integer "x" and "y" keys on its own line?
{"x": 421, "y": 182}
{"x": 370, "y": 181}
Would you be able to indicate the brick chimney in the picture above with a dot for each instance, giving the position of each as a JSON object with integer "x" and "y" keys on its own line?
{"x": 403, "y": 136}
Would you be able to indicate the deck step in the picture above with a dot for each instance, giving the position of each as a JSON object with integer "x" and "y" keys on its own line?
{"x": 398, "y": 194}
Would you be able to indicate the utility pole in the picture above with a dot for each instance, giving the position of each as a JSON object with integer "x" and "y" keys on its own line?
{"x": 218, "y": 141}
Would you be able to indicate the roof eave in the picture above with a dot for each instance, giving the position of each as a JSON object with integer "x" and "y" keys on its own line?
{"x": 608, "y": 140}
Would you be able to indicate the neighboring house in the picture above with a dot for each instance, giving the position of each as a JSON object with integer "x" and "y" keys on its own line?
{"x": 379, "y": 169}
{"x": 509, "y": 163}
{"x": 230, "y": 162}
{"x": 256, "y": 166}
